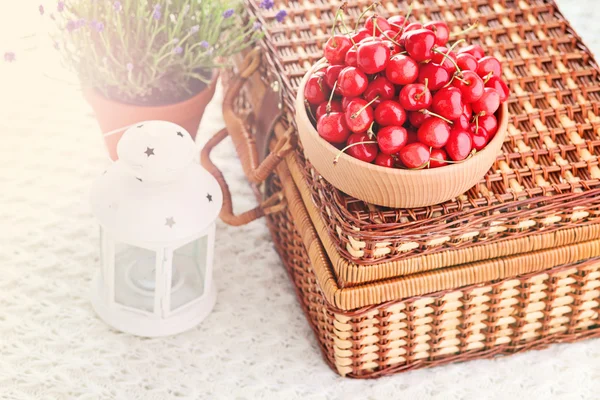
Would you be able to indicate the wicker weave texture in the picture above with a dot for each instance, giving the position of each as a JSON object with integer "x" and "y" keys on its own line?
{"x": 503, "y": 317}
{"x": 547, "y": 178}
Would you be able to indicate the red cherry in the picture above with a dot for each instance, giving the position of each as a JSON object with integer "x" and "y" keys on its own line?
{"x": 391, "y": 139}
{"x": 463, "y": 122}
{"x": 382, "y": 24}
{"x": 415, "y": 97}
{"x": 466, "y": 62}
{"x": 412, "y": 135}
{"x": 389, "y": 34}
{"x": 467, "y": 110}
{"x": 359, "y": 115}
{"x": 402, "y": 70}
{"x": 487, "y": 65}
{"x": 366, "y": 152}
{"x": 372, "y": 57}
{"x": 371, "y": 39}
{"x": 438, "y": 156}
{"x": 500, "y": 86}
{"x": 394, "y": 48}
{"x": 441, "y": 31}
{"x": 414, "y": 155}
{"x": 336, "y": 48}
{"x": 384, "y": 160}
{"x": 381, "y": 87}
{"x": 459, "y": 144}
{"x": 396, "y": 22}
{"x": 346, "y": 101}
{"x": 442, "y": 59}
{"x": 489, "y": 123}
{"x": 419, "y": 44}
{"x": 479, "y": 137}
{"x": 417, "y": 118}
{"x": 488, "y": 103}
{"x": 475, "y": 50}
{"x": 332, "y": 74}
{"x": 336, "y": 106}
{"x": 351, "y": 59}
{"x": 470, "y": 85}
{"x": 447, "y": 102}
{"x": 352, "y": 82}
{"x": 316, "y": 90}
{"x": 333, "y": 128}
{"x": 437, "y": 77}
{"x": 413, "y": 26}
{"x": 390, "y": 113}
{"x": 434, "y": 132}
{"x": 360, "y": 35}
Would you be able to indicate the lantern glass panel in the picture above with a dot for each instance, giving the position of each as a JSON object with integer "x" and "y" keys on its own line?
{"x": 189, "y": 272}
{"x": 135, "y": 277}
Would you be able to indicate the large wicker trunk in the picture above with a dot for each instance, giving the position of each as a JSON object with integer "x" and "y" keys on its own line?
{"x": 513, "y": 264}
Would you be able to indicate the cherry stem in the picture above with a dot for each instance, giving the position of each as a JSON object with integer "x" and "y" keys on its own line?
{"x": 488, "y": 77}
{"x": 410, "y": 8}
{"x": 466, "y": 30}
{"x": 447, "y": 57}
{"x": 309, "y": 108}
{"x": 419, "y": 95}
{"x": 462, "y": 80}
{"x": 455, "y": 44}
{"x": 328, "y": 108}
{"x": 342, "y": 151}
{"x": 427, "y": 112}
{"x": 363, "y": 108}
{"x": 365, "y": 11}
{"x": 370, "y": 132}
{"x": 387, "y": 37}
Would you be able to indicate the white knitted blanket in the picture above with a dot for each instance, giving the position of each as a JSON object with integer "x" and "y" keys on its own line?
{"x": 256, "y": 343}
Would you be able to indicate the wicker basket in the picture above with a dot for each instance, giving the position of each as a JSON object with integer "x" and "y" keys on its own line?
{"x": 511, "y": 265}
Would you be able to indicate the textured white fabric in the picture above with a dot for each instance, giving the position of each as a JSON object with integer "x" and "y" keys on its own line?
{"x": 256, "y": 344}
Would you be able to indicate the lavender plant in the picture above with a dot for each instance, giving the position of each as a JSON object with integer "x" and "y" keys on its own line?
{"x": 141, "y": 52}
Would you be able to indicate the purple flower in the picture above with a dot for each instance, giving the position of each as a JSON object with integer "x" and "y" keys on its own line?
{"x": 228, "y": 13}
{"x": 257, "y": 26}
{"x": 129, "y": 67}
{"x": 60, "y": 6}
{"x": 280, "y": 16}
{"x": 81, "y": 23}
{"x": 204, "y": 44}
{"x": 41, "y": 8}
{"x": 56, "y": 45}
{"x": 71, "y": 26}
{"x": 9, "y": 56}
{"x": 266, "y": 4}
{"x": 194, "y": 29}
{"x": 117, "y": 6}
{"x": 99, "y": 26}
{"x": 178, "y": 50}
{"x": 156, "y": 14}
{"x": 157, "y": 7}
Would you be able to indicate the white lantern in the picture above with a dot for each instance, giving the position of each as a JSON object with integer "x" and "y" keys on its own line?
{"x": 157, "y": 210}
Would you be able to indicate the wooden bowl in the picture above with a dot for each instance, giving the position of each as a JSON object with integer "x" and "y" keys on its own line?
{"x": 390, "y": 187}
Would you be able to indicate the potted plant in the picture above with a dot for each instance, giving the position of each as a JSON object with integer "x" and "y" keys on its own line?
{"x": 140, "y": 60}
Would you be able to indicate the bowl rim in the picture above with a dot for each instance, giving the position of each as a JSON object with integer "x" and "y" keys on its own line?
{"x": 302, "y": 118}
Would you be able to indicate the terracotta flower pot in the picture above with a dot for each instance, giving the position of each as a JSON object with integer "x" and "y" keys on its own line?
{"x": 112, "y": 115}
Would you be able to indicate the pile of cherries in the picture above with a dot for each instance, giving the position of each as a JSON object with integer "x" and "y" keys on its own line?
{"x": 395, "y": 95}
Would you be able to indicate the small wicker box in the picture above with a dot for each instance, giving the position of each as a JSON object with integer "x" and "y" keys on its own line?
{"x": 512, "y": 265}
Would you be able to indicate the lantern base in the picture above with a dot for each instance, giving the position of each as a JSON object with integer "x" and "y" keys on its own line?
{"x": 137, "y": 323}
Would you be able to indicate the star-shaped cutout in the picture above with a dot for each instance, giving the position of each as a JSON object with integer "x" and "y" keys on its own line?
{"x": 170, "y": 222}
{"x": 209, "y": 197}
{"x": 149, "y": 152}
{"x": 179, "y": 134}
